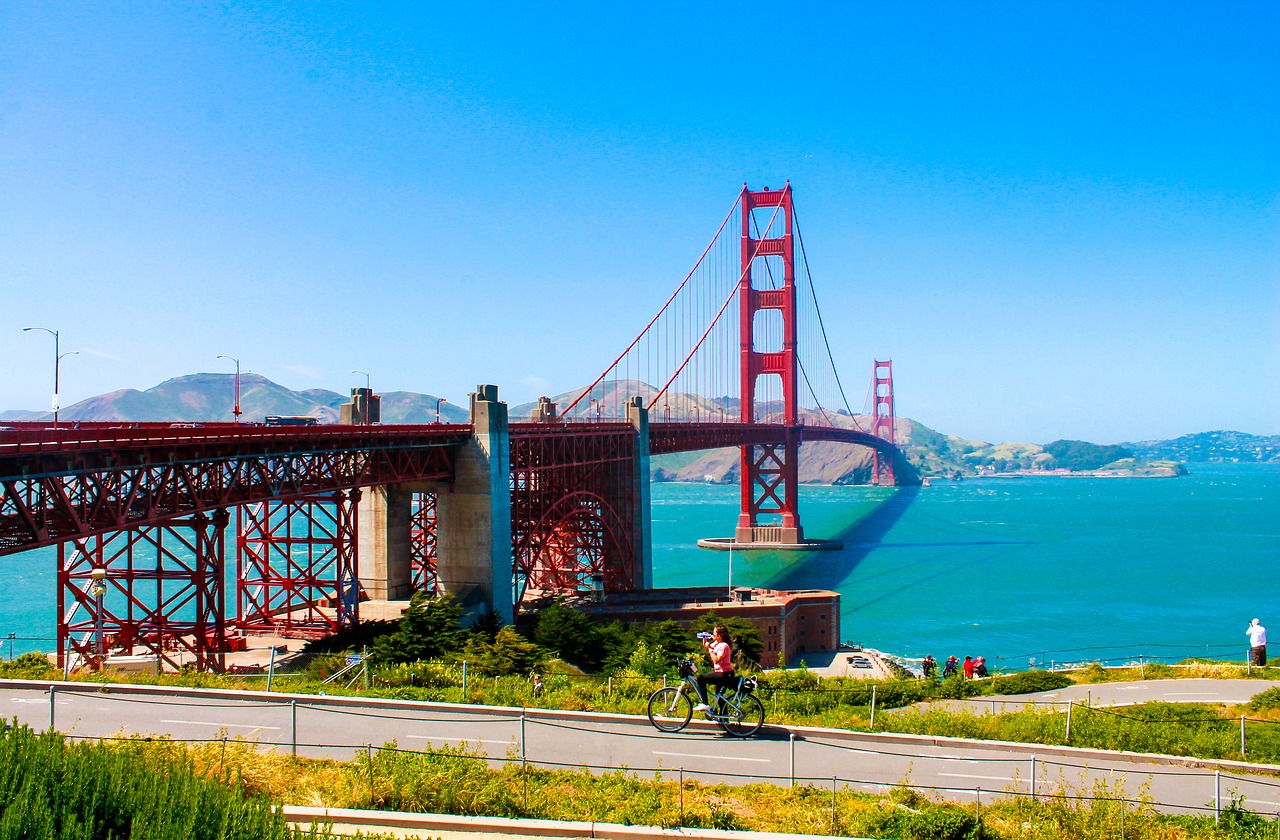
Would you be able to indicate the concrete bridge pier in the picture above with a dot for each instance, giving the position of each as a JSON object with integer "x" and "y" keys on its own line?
{"x": 473, "y": 536}
{"x": 473, "y": 521}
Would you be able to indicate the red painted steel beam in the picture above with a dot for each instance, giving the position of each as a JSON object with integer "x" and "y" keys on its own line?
{"x": 62, "y": 484}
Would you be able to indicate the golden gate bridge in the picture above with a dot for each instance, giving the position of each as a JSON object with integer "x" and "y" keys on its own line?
{"x": 738, "y": 356}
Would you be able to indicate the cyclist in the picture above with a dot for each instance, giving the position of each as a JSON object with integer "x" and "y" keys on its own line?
{"x": 717, "y": 646}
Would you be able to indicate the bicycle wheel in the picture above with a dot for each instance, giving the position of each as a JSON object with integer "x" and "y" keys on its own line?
{"x": 670, "y": 709}
{"x": 746, "y": 719}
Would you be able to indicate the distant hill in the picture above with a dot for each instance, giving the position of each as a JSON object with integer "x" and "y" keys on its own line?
{"x": 1222, "y": 446}
{"x": 209, "y": 397}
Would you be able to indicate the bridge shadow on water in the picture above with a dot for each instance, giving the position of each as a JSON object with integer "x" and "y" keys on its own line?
{"x": 829, "y": 569}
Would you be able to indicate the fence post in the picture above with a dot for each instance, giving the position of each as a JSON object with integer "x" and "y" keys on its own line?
{"x": 1243, "y": 742}
{"x": 1217, "y": 796}
{"x": 464, "y": 681}
{"x": 681, "y": 797}
{"x": 293, "y": 710}
{"x": 52, "y": 689}
{"x": 1033, "y": 777}
{"x": 791, "y": 737}
{"x": 610, "y": 686}
{"x": 873, "y": 708}
{"x": 223, "y": 763}
{"x": 833, "y": 805}
{"x": 522, "y": 752}
{"x": 364, "y": 660}
{"x": 369, "y": 747}
{"x": 1069, "y": 705}
{"x": 271, "y": 668}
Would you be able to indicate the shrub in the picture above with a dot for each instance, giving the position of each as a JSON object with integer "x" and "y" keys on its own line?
{"x": 944, "y": 823}
{"x": 1269, "y": 699}
{"x": 29, "y": 666}
{"x": 86, "y": 790}
{"x": 1027, "y": 682}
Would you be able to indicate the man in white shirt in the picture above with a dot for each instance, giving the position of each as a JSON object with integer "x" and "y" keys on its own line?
{"x": 1257, "y": 643}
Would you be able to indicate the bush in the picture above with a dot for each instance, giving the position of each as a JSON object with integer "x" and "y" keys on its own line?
{"x": 55, "y": 789}
{"x": 944, "y": 822}
{"x": 29, "y": 666}
{"x": 1269, "y": 699}
{"x": 1027, "y": 682}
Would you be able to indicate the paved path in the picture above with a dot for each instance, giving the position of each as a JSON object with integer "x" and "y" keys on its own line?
{"x": 339, "y": 727}
{"x": 1228, "y": 692}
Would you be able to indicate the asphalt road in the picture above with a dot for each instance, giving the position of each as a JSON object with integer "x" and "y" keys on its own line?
{"x": 338, "y": 728}
{"x": 1227, "y": 692}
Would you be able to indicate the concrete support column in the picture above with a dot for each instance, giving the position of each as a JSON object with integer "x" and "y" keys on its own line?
{"x": 384, "y": 558}
{"x": 473, "y": 537}
{"x": 638, "y": 417}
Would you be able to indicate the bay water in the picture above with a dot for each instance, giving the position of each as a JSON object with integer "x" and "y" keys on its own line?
{"x": 1047, "y": 569}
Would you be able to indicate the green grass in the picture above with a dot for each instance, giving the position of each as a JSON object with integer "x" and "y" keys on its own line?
{"x": 457, "y": 780}
{"x": 50, "y": 788}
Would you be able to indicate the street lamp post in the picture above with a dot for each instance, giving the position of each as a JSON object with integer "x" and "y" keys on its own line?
{"x": 367, "y": 386}
{"x": 98, "y": 589}
{"x": 57, "y": 364}
{"x": 235, "y": 412}
{"x": 439, "y": 401}
{"x": 596, "y": 403}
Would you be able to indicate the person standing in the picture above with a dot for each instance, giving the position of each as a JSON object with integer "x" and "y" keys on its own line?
{"x": 1257, "y": 643}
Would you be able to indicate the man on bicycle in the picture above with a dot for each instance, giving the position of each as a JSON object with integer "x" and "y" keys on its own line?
{"x": 717, "y": 646}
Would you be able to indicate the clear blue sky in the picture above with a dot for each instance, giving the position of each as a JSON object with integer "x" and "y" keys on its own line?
{"x": 1059, "y": 220}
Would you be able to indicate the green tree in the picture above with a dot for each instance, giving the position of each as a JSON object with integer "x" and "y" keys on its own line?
{"x": 487, "y": 624}
{"x": 430, "y": 628}
{"x": 571, "y": 635}
{"x": 508, "y": 653}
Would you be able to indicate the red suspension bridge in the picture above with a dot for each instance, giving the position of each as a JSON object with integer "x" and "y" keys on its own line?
{"x": 738, "y": 356}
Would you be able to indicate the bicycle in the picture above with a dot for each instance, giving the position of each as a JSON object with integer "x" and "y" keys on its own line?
{"x": 737, "y": 710}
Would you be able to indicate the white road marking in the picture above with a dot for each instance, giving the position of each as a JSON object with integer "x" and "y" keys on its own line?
{"x": 215, "y": 723}
{"x": 715, "y": 757}
{"x": 969, "y": 776}
{"x": 455, "y": 738}
{"x": 36, "y": 700}
{"x": 1192, "y": 693}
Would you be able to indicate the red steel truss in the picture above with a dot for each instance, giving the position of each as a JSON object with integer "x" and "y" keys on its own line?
{"x": 296, "y": 573}
{"x": 770, "y": 474}
{"x": 883, "y": 428}
{"x": 156, "y": 589}
{"x": 422, "y": 543}
{"x": 61, "y": 484}
{"x": 573, "y": 508}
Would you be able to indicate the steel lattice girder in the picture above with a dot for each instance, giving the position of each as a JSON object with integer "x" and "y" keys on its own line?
{"x": 573, "y": 509}
{"x": 296, "y": 566}
{"x": 422, "y": 543}
{"x": 164, "y": 593}
{"x": 49, "y": 494}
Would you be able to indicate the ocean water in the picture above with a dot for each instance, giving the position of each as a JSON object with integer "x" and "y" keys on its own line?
{"x": 1051, "y": 569}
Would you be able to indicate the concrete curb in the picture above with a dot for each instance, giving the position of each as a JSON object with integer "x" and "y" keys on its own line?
{"x": 365, "y": 820}
{"x": 800, "y": 732}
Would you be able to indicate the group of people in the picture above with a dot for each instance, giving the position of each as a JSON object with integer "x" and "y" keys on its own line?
{"x": 972, "y": 667}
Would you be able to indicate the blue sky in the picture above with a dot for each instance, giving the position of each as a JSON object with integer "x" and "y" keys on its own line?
{"x": 1059, "y": 220}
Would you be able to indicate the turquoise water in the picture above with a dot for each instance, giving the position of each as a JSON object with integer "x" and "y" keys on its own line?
{"x": 1060, "y": 569}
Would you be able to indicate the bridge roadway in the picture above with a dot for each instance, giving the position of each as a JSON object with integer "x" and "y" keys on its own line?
{"x": 82, "y": 479}
{"x": 332, "y": 727}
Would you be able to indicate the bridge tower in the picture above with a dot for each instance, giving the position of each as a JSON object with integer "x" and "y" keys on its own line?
{"x": 884, "y": 416}
{"x": 770, "y": 472}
